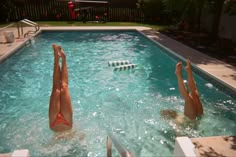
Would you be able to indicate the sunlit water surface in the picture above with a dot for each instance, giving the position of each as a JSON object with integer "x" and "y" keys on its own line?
{"x": 126, "y": 103}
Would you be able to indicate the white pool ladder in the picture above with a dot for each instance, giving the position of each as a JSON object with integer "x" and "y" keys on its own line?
{"x": 29, "y": 23}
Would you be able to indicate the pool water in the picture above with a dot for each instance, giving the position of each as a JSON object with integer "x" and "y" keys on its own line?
{"x": 125, "y": 103}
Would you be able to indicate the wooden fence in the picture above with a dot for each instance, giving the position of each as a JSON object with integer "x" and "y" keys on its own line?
{"x": 58, "y": 10}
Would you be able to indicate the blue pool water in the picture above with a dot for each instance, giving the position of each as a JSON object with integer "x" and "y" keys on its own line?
{"x": 126, "y": 103}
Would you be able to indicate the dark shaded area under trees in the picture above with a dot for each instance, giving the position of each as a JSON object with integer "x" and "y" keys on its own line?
{"x": 185, "y": 20}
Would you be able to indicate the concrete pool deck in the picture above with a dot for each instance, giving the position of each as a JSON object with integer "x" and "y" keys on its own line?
{"x": 221, "y": 71}
{"x": 215, "y": 146}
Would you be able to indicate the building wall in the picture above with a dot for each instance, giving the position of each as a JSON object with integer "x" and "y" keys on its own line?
{"x": 227, "y": 27}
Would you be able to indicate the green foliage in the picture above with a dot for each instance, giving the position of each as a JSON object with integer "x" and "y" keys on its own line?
{"x": 230, "y": 7}
{"x": 172, "y": 11}
{"x": 7, "y": 7}
{"x": 174, "y": 7}
{"x": 152, "y": 9}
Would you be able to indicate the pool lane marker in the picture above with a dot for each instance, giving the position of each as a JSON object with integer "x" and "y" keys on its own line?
{"x": 125, "y": 67}
{"x": 118, "y": 63}
{"x": 121, "y": 65}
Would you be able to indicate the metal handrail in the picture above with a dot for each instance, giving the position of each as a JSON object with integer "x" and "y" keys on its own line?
{"x": 19, "y": 26}
{"x": 119, "y": 147}
{"x": 12, "y": 24}
{"x": 30, "y": 23}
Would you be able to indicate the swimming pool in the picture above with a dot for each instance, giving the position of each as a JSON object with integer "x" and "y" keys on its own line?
{"x": 127, "y": 103}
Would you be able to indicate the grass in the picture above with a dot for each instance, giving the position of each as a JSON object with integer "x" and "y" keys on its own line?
{"x": 75, "y": 23}
{"x": 4, "y": 24}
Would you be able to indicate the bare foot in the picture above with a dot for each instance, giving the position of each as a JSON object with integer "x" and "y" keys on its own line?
{"x": 188, "y": 67}
{"x": 56, "y": 51}
{"x": 178, "y": 69}
{"x": 62, "y": 53}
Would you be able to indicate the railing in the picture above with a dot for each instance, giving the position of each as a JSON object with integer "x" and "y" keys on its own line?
{"x": 10, "y": 25}
{"x": 29, "y": 23}
{"x": 123, "y": 152}
{"x": 20, "y": 29}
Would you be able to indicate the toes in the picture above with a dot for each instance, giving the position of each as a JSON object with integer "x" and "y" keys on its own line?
{"x": 178, "y": 68}
{"x": 188, "y": 62}
{"x": 62, "y": 53}
{"x": 178, "y": 65}
{"x": 188, "y": 66}
{"x": 54, "y": 47}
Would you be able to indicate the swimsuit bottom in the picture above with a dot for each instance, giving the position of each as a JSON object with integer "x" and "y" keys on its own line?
{"x": 60, "y": 120}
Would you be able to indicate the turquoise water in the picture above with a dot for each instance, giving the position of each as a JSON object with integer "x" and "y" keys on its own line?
{"x": 126, "y": 103}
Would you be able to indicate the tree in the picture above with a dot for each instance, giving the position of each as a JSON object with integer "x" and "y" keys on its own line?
{"x": 175, "y": 10}
{"x": 190, "y": 10}
{"x": 230, "y": 7}
{"x": 218, "y": 5}
{"x": 7, "y": 7}
{"x": 152, "y": 9}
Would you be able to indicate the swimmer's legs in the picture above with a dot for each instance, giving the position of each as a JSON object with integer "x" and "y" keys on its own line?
{"x": 189, "y": 108}
{"x": 182, "y": 88}
{"x": 54, "y": 105}
{"x": 66, "y": 107}
{"x": 193, "y": 89}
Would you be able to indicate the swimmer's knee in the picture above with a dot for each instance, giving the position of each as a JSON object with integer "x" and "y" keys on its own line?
{"x": 195, "y": 93}
{"x": 189, "y": 99}
{"x": 64, "y": 85}
{"x": 56, "y": 92}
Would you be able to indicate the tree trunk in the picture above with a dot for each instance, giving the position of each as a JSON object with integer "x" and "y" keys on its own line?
{"x": 199, "y": 13}
{"x": 216, "y": 18}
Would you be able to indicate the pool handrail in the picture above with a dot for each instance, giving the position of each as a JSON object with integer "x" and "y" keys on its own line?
{"x": 123, "y": 152}
{"x": 19, "y": 25}
{"x": 12, "y": 24}
{"x": 30, "y": 23}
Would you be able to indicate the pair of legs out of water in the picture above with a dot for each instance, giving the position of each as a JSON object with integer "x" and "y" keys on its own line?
{"x": 60, "y": 108}
{"x": 193, "y": 106}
